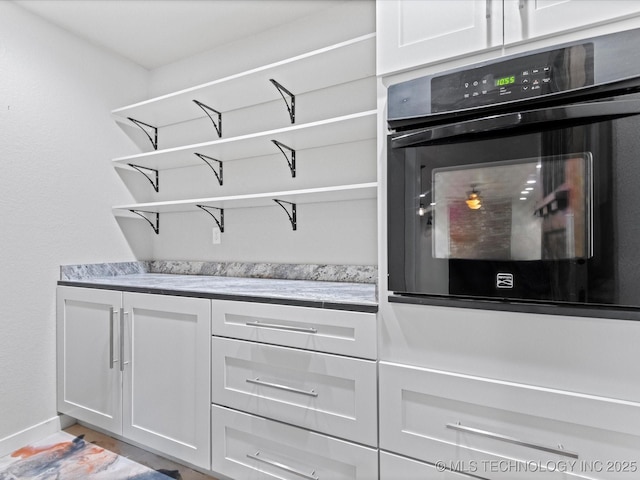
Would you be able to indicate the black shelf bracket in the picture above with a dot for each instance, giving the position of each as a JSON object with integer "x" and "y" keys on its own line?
{"x": 293, "y": 218}
{"x": 156, "y": 183}
{"x": 292, "y": 163}
{"x": 291, "y": 104}
{"x": 208, "y": 110}
{"x": 207, "y": 160}
{"x": 156, "y": 227}
{"x": 205, "y": 208}
{"x": 141, "y": 126}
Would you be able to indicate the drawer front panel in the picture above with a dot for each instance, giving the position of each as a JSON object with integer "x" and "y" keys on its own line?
{"x": 327, "y": 393}
{"x": 249, "y": 447}
{"x": 497, "y": 430}
{"x": 393, "y": 467}
{"x": 323, "y": 330}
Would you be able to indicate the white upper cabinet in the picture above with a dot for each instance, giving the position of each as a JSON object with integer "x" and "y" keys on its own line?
{"x": 415, "y": 32}
{"x": 529, "y": 19}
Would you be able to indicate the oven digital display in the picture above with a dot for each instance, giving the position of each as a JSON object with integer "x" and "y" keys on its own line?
{"x": 502, "y": 81}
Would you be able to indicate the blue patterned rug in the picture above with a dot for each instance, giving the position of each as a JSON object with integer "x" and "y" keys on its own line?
{"x": 64, "y": 457}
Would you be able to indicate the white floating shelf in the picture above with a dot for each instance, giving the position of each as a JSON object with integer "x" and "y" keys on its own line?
{"x": 313, "y": 195}
{"x": 348, "y": 128}
{"x": 333, "y": 65}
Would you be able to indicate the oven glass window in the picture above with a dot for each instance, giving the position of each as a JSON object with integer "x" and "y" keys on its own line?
{"x": 526, "y": 209}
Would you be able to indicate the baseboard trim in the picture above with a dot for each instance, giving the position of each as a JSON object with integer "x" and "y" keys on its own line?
{"x": 66, "y": 421}
{"x": 34, "y": 433}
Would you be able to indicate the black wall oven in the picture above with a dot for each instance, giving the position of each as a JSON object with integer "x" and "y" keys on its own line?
{"x": 516, "y": 184}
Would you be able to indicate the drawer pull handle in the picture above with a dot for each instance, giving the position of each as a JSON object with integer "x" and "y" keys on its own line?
{"x": 282, "y": 466}
{"x": 515, "y": 441}
{"x": 257, "y": 381}
{"x": 282, "y": 327}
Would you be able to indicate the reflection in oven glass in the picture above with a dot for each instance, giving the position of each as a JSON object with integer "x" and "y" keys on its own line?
{"x": 528, "y": 209}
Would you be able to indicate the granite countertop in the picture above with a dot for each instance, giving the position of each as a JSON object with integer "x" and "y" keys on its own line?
{"x": 311, "y": 293}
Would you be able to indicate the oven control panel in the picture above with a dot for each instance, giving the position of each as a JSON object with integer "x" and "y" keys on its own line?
{"x": 514, "y": 79}
{"x": 526, "y": 83}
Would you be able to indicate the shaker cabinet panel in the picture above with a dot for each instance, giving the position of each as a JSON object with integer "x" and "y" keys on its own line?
{"x": 137, "y": 365}
{"x": 327, "y": 393}
{"x": 88, "y": 367}
{"x": 411, "y": 469}
{"x": 166, "y": 379}
{"x": 248, "y": 447}
{"x": 414, "y": 33}
{"x": 411, "y": 33}
{"x": 479, "y": 425}
{"x": 529, "y": 19}
{"x": 323, "y": 330}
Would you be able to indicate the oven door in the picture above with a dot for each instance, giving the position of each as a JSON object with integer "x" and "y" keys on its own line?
{"x": 536, "y": 206}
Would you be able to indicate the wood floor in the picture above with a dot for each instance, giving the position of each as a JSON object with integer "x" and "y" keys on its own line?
{"x": 136, "y": 454}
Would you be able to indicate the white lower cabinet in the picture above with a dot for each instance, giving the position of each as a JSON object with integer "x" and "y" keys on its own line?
{"x": 327, "y": 393}
{"x": 246, "y": 446}
{"x": 137, "y": 365}
{"x": 402, "y": 468}
{"x": 502, "y": 430}
{"x": 166, "y": 385}
{"x": 294, "y": 392}
{"x": 89, "y": 380}
{"x": 318, "y": 329}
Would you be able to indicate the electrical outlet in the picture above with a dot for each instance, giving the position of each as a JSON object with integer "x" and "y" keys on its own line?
{"x": 217, "y": 236}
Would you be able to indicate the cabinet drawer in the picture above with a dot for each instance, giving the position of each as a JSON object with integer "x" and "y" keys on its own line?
{"x": 327, "y": 393}
{"x": 393, "y": 467}
{"x": 249, "y": 447}
{"x": 323, "y": 330}
{"x": 496, "y": 429}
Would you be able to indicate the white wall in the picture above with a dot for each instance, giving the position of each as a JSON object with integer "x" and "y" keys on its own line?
{"x": 57, "y": 186}
{"x": 343, "y": 22}
{"x": 334, "y": 233}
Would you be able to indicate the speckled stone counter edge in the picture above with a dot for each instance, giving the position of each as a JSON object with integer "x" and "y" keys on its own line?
{"x": 328, "y": 273}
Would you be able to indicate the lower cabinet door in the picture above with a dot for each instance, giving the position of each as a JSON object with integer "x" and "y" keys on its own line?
{"x": 88, "y": 368}
{"x": 166, "y": 383}
{"x": 248, "y": 447}
{"x": 327, "y": 393}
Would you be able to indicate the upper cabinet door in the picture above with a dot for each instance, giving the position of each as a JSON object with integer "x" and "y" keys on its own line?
{"x": 411, "y": 33}
{"x": 528, "y": 19}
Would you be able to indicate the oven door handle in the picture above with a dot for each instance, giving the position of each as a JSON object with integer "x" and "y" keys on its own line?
{"x": 566, "y": 113}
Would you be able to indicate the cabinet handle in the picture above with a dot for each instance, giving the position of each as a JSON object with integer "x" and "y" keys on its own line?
{"x": 122, "y": 339}
{"x": 257, "y": 381}
{"x": 282, "y": 327}
{"x": 111, "y": 322}
{"x": 507, "y": 439}
{"x": 524, "y": 14}
{"x": 487, "y": 12}
{"x": 310, "y": 476}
